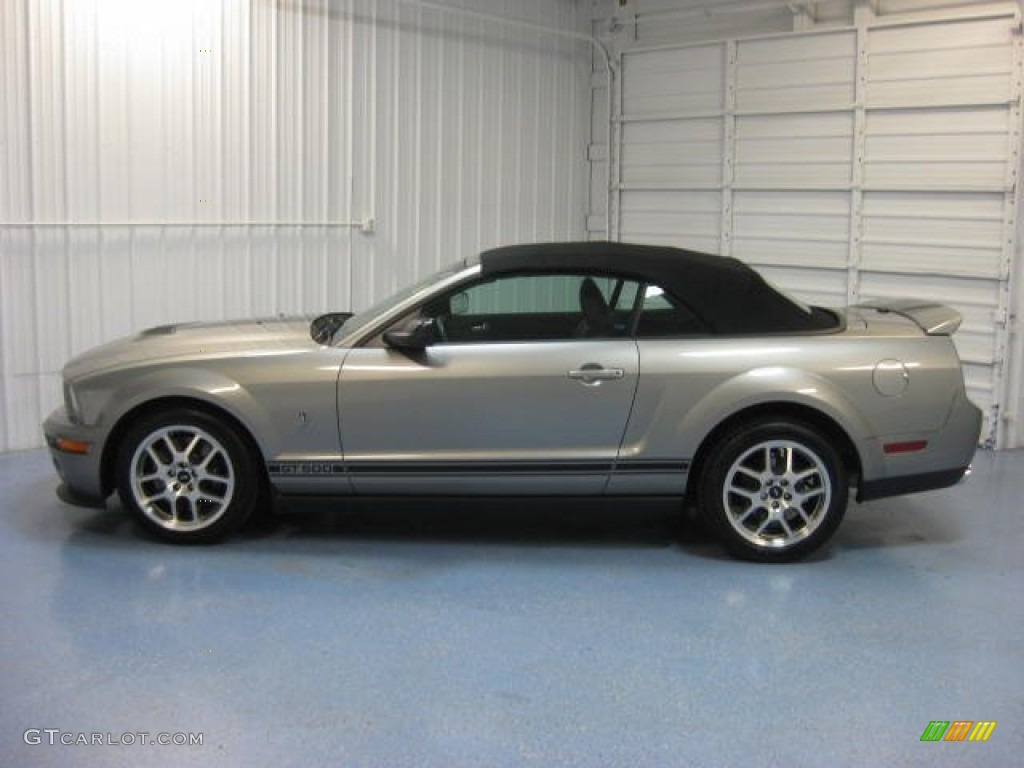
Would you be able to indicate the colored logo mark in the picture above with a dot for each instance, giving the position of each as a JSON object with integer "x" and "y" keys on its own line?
{"x": 958, "y": 730}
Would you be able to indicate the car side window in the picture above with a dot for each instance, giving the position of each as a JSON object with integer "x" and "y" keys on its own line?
{"x": 662, "y": 315}
{"x": 535, "y": 307}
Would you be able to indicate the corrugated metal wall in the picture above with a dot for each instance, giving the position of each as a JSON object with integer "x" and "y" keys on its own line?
{"x": 452, "y": 132}
{"x": 847, "y": 164}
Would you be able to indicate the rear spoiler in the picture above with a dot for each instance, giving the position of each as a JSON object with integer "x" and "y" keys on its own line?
{"x": 932, "y": 318}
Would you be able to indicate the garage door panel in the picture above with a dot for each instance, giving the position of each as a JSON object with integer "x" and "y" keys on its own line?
{"x": 780, "y": 175}
{"x": 978, "y": 379}
{"x": 796, "y": 97}
{"x": 935, "y": 176}
{"x": 915, "y": 258}
{"x": 683, "y": 100}
{"x": 986, "y": 149}
{"x": 813, "y": 125}
{"x": 787, "y": 251}
{"x": 674, "y": 153}
{"x": 957, "y": 292}
{"x": 939, "y": 91}
{"x": 965, "y": 233}
{"x": 690, "y": 240}
{"x": 681, "y": 169}
{"x": 948, "y": 121}
{"x": 941, "y": 63}
{"x": 975, "y": 347}
{"x": 673, "y": 81}
{"x": 705, "y": 225}
{"x": 681, "y": 152}
{"x": 930, "y": 207}
{"x": 929, "y": 65}
{"x": 794, "y": 150}
{"x": 807, "y": 71}
{"x": 822, "y": 287}
{"x": 806, "y": 150}
{"x": 690, "y": 219}
{"x": 657, "y": 64}
{"x": 801, "y": 226}
{"x": 948, "y": 35}
{"x": 947, "y": 149}
{"x": 826, "y": 74}
{"x": 810, "y": 203}
{"x": 792, "y": 228}
{"x": 679, "y": 130}
{"x": 848, "y": 176}
{"x": 669, "y": 201}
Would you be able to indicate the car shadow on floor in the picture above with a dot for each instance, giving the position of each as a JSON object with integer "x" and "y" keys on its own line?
{"x": 521, "y": 521}
{"x": 642, "y": 523}
{"x": 622, "y": 523}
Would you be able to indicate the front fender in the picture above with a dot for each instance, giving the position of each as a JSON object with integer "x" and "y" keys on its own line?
{"x": 114, "y": 395}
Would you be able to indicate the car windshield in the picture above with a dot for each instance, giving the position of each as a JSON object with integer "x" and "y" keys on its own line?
{"x": 364, "y": 318}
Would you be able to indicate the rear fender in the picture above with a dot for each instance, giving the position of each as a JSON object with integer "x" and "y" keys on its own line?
{"x": 777, "y": 385}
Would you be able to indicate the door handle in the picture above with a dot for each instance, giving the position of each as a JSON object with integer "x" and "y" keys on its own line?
{"x": 593, "y": 374}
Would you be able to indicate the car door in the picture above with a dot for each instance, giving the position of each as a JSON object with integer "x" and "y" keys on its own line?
{"x": 516, "y": 395}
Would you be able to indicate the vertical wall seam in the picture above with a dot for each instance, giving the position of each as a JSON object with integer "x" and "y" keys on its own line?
{"x": 858, "y": 158}
{"x": 728, "y": 170}
{"x": 1005, "y": 319}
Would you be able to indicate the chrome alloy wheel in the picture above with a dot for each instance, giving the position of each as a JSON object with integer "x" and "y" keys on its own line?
{"x": 777, "y": 493}
{"x": 182, "y": 478}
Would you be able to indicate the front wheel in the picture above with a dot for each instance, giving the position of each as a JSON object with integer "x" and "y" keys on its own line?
{"x": 187, "y": 477}
{"x": 773, "y": 491}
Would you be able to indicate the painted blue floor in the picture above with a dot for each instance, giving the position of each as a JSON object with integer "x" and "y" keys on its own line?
{"x": 512, "y": 634}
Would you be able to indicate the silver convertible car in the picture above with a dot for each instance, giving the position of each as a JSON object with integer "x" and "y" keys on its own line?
{"x": 558, "y": 369}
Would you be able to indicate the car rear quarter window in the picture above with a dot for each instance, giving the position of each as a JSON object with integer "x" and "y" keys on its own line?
{"x": 664, "y": 316}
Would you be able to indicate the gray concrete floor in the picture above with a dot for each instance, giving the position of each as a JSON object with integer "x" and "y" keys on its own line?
{"x": 511, "y": 633}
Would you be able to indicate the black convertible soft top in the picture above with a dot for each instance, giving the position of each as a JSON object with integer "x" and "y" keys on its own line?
{"x": 727, "y": 294}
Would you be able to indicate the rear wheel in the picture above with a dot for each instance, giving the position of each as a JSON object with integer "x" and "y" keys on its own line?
{"x": 187, "y": 477}
{"x": 774, "y": 491}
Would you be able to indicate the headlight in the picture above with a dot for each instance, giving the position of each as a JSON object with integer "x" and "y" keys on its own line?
{"x": 71, "y": 404}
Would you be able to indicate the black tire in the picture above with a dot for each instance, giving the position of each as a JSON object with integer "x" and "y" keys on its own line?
{"x": 773, "y": 491}
{"x": 187, "y": 477}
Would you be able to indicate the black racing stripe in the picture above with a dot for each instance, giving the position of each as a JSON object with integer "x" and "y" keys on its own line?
{"x": 635, "y": 466}
{"x": 333, "y": 468}
{"x": 477, "y": 467}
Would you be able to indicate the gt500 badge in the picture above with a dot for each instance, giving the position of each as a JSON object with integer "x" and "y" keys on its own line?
{"x": 305, "y": 468}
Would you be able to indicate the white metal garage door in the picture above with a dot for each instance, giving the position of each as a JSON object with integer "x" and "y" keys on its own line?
{"x": 847, "y": 164}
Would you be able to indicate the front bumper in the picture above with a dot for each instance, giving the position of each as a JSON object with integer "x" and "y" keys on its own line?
{"x": 80, "y": 472}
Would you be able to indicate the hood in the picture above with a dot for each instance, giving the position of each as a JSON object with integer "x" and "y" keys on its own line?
{"x": 196, "y": 340}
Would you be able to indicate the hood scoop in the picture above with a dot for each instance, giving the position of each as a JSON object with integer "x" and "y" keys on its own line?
{"x": 159, "y": 330}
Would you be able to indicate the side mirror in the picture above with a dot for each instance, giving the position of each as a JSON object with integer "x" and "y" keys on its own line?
{"x": 415, "y": 339}
{"x": 324, "y": 327}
